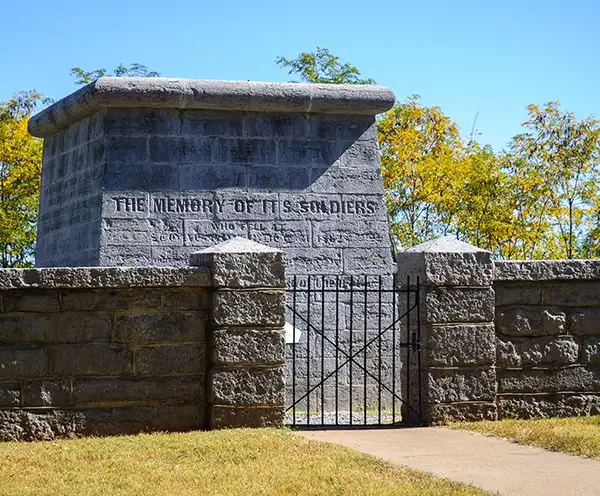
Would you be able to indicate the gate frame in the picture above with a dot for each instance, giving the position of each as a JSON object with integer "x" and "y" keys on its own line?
{"x": 405, "y": 354}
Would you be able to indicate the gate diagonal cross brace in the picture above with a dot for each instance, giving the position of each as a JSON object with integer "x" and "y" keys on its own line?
{"x": 353, "y": 357}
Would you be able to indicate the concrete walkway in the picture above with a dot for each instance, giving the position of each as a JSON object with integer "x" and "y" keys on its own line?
{"x": 492, "y": 464}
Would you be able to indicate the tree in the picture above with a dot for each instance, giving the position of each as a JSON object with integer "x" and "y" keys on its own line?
{"x": 134, "y": 70}
{"x": 563, "y": 153}
{"x": 20, "y": 170}
{"x": 321, "y": 66}
{"x": 421, "y": 165}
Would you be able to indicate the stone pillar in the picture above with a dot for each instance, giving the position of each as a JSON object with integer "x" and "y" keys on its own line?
{"x": 246, "y": 384}
{"x": 458, "y": 346}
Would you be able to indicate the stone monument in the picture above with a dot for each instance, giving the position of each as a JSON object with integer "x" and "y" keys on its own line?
{"x": 145, "y": 171}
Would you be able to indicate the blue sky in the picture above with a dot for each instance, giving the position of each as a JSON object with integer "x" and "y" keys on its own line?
{"x": 468, "y": 57}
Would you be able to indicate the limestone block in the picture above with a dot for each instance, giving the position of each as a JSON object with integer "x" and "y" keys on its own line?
{"x": 537, "y": 352}
{"x": 23, "y": 361}
{"x": 446, "y": 261}
{"x": 46, "y": 392}
{"x": 171, "y": 359}
{"x": 549, "y": 380}
{"x": 30, "y": 301}
{"x": 546, "y": 270}
{"x": 459, "y": 412}
{"x": 249, "y": 346}
{"x": 248, "y": 387}
{"x": 157, "y": 327}
{"x": 249, "y": 308}
{"x": 453, "y": 304}
{"x": 10, "y": 394}
{"x": 230, "y": 417}
{"x": 242, "y": 263}
{"x": 585, "y": 322}
{"x": 110, "y": 300}
{"x": 460, "y": 345}
{"x": 104, "y": 390}
{"x": 552, "y": 405}
{"x": 90, "y": 359}
{"x": 590, "y": 352}
{"x": 530, "y": 321}
{"x": 451, "y": 385}
{"x": 509, "y": 293}
{"x": 576, "y": 293}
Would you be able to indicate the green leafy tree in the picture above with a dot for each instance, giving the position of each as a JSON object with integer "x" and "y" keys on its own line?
{"x": 421, "y": 166}
{"x": 563, "y": 153}
{"x": 321, "y": 66}
{"x": 20, "y": 169}
{"x": 134, "y": 70}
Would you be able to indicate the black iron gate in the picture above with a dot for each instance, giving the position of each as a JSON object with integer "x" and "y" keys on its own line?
{"x": 353, "y": 347}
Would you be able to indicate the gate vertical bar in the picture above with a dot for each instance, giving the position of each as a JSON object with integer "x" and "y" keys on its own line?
{"x": 350, "y": 341}
{"x": 365, "y": 310}
{"x": 418, "y": 301}
{"x": 322, "y": 349}
{"x": 409, "y": 350}
{"x": 379, "y": 354}
{"x": 394, "y": 348}
{"x": 294, "y": 289}
{"x": 308, "y": 353}
{"x": 337, "y": 345}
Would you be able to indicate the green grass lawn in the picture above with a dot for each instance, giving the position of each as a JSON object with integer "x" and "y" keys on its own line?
{"x": 245, "y": 462}
{"x": 575, "y": 435}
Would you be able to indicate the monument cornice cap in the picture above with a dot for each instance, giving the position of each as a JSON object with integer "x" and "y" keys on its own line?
{"x": 250, "y": 96}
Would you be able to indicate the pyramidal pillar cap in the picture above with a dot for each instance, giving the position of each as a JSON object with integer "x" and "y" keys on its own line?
{"x": 447, "y": 261}
{"x": 242, "y": 263}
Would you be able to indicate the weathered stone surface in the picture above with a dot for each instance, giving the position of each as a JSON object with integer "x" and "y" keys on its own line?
{"x": 459, "y": 412}
{"x": 546, "y": 270}
{"x": 242, "y": 263}
{"x": 530, "y": 321}
{"x": 46, "y": 392}
{"x": 227, "y": 417}
{"x": 447, "y": 305}
{"x": 460, "y": 345}
{"x": 10, "y": 394}
{"x": 551, "y": 405}
{"x": 549, "y": 380}
{"x": 186, "y": 299}
{"x": 54, "y": 328}
{"x": 210, "y": 94}
{"x": 249, "y": 308}
{"x": 509, "y": 293}
{"x": 48, "y": 424}
{"x": 30, "y": 301}
{"x": 248, "y": 387}
{"x": 102, "y": 277}
{"x": 250, "y": 346}
{"x": 590, "y": 351}
{"x": 537, "y": 352}
{"x": 137, "y": 390}
{"x": 109, "y": 300}
{"x": 576, "y": 293}
{"x": 90, "y": 359}
{"x": 446, "y": 261}
{"x": 585, "y": 322}
{"x": 178, "y": 176}
{"x": 171, "y": 359}
{"x": 451, "y": 385}
{"x": 23, "y": 361}
{"x": 160, "y": 326}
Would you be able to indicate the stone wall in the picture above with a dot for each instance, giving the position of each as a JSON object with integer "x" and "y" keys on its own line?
{"x": 548, "y": 330}
{"x": 111, "y": 351}
{"x": 503, "y": 339}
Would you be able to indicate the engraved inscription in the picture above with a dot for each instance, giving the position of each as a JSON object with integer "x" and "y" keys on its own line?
{"x": 288, "y": 207}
